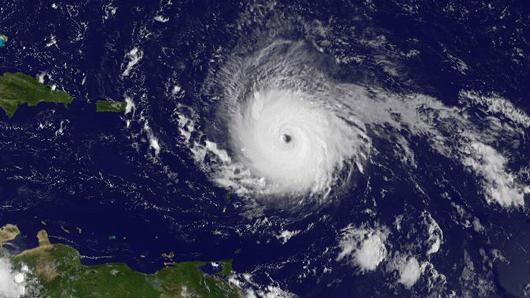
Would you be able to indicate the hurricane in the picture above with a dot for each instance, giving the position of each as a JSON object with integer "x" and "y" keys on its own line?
{"x": 292, "y": 132}
{"x": 286, "y": 128}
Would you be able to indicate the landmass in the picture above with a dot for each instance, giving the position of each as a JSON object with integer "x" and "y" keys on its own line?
{"x": 59, "y": 271}
{"x": 226, "y": 268}
{"x": 18, "y": 88}
{"x": 110, "y": 106}
{"x": 8, "y": 233}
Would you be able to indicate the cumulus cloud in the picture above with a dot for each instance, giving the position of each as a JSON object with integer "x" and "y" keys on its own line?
{"x": 12, "y": 282}
{"x": 363, "y": 247}
{"x": 409, "y": 272}
{"x": 408, "y": 269}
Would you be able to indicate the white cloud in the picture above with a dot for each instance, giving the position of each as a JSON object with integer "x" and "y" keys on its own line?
{"x": 153, "y": 140}
{"x": 435, "y": 233}
{"x": 452, "y": 133}
{"x": 134, "y": 56}
{"x": 409, "y": 271}
{"x": 161, "y": 19}
{"x": 497, "y": 105}
{"x": 364, "y": 248}
{"x": 285, "y": 235}
{"x": 253, "y": 290}
{"x": 129, "y": 104}
{"x": 184, "y": 292}
{"x": 499, "y": 185}
{"x": 153, "y": 143}
{"x": 12, "y": 283}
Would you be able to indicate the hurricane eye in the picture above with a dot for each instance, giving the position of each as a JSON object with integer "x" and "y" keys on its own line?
{"x": 286, "y": 138}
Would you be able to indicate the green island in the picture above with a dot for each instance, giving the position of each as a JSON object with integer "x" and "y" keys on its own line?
{"x": 18, "y": 88}
{"x": 59, "y": 271}
{"x": 103, "y": 105}
{"x": 3, "y": 40}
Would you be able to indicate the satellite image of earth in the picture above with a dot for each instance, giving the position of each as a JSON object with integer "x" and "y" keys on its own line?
{"x": 261, "y": 148}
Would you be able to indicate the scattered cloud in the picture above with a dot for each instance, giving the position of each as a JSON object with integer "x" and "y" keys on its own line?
{"x": 499, "y": 184}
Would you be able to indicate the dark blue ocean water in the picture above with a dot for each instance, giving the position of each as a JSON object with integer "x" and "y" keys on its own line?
{"x": 98, "y": 186}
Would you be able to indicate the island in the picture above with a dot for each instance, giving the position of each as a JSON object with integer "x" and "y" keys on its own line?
{"x": 103, "y": 105}
{"x": 3, "y": 40}
{"x": 18, "y": 88}
{"x": 59, "y": 272}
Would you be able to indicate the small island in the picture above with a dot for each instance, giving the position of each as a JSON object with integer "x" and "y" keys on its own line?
{"x": 18, "y": 88}
{"x": 3, "y": 40}
{"x": 103, "y": 105}
{"x": 59, "y": 272}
